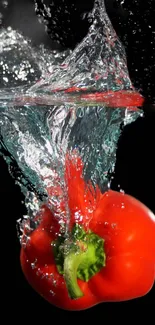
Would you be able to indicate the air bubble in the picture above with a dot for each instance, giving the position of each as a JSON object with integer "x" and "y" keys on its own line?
{"x": 33, "y": 265}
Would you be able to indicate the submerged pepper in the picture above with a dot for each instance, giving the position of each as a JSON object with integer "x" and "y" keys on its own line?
{"x": 107, "y": 254}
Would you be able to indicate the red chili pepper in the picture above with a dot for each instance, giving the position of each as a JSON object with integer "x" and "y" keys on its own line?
{"x": 108, "y": 255}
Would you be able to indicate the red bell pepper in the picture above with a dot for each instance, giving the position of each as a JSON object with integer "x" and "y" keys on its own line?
{"x": 108, "y": 254}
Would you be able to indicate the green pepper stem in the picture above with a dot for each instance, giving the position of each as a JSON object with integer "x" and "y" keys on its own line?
{"x": 71, "y": 263}
{"x": 80, "y": 258}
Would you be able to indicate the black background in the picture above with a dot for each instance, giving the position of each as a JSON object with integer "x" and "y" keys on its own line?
{"x": 135, "y": 172}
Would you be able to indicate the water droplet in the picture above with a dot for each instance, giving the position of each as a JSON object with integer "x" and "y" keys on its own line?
{"x": 55, "y": 282}
{"x": 122, "y": 206}
{"x": 5, "y": 3}
{"x": 33, "y": 265}
{"x": 46, "y": 275}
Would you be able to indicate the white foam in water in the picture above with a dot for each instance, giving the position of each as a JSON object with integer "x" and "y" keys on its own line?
{"x": 38, "y": 128}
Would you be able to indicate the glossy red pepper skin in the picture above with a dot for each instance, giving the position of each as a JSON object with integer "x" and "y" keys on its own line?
{"x": 128, "y": 230}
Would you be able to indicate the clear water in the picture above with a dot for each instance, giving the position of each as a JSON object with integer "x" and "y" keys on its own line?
{"x": 40, "y": 122}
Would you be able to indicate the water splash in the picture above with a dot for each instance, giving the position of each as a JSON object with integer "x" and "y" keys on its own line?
{"x": 97, "y": 64}
{"x": 21, "y": 63}
{"x": 40, "y": 122}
